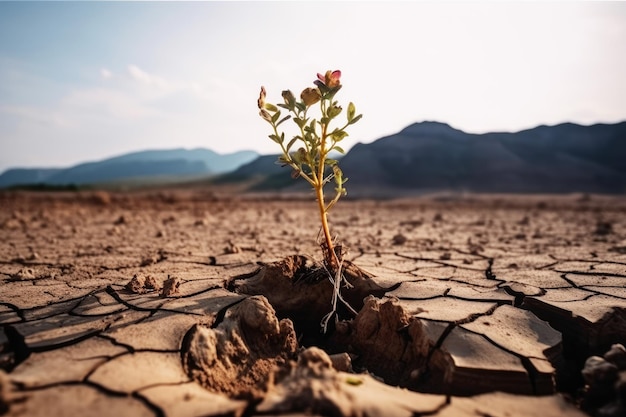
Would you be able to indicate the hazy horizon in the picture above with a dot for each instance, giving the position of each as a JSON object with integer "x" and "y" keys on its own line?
{"x": 85, "y": 81}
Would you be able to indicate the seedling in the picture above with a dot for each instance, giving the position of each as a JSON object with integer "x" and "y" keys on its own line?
{"x": 307, "y": 152}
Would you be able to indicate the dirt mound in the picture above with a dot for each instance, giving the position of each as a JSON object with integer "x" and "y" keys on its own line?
{"x": 300, "y": 288}
{"x": 240, "y": 356}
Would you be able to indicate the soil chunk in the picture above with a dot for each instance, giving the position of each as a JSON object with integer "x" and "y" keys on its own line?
{"x": 300, "y": 288}
{"x": 241, "y": 355}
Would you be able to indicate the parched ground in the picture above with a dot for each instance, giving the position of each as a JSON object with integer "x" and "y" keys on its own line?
{"x": 494, "y": 303}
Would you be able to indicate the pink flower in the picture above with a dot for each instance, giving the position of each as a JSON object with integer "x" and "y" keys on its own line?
{"x": 330, "y": 79}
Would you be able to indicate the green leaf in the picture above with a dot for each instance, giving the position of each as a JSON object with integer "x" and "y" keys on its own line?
{"x": 291, "y": 142}
{"x": 334, "y": 111}
{"x": 270, "y": 107}
{"x": 275, "y": 138}
{"x": 284, "y": 106}
{"x": 356, "y": 119}
{"x": 275, "y": 116}
{"x": 351, "y": 111}
{"x": 338, "y": 135}
{"x": 339, "y": 149}
{"x": 330, "y": 162}
{"x": 300, "y": 122}
{"x": 284, "y": 160}
{"x": 283, "y": 119}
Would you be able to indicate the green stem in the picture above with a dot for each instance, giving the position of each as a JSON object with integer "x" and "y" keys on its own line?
{"x": 331, "y": 256}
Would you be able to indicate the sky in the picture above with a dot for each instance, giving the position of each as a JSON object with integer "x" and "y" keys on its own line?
{"x": 83, "y": 81}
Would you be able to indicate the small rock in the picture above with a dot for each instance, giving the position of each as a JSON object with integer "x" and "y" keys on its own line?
{"x": 599, "y": 371}
{"x": 315, "y": 359}
{"x": 24, "y": 274}
{"x": 137, "y": 285}
{"x": 399, "y": 239}
{"x": 341, "y": 362}
{"x": 171, "y": 287}
{"x": 101, "y": 198}
{"x": 603, "y": 228}
{"x": 120, "y": 220}
{"x": 232, "y": 248}
{"x": 149, "y": 260}
{"x": 169, "y": 219}
{"x": 617, "y": 356}
{"x": 113, "y": 231}
{"x": 152, "y": 283}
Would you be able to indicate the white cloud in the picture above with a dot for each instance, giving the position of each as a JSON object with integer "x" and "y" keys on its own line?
{"x": 105, "y": 73}
{"x": 142, "y": 76}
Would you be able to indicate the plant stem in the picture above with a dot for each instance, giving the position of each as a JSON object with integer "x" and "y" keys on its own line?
{"x": 331, "y": 256}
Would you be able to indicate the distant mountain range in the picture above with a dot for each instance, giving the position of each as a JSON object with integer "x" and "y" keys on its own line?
{"x": 432, "y": 156}
{"x": 423, "y": 157}
{"x": 173, "y": 163}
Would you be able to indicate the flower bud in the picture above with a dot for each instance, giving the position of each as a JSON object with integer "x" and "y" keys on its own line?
{"x": 266, "y": 115}
{"x": 289, "y": 98}
{"x": 261, "y": 101}
{"x": 310, "y": 96}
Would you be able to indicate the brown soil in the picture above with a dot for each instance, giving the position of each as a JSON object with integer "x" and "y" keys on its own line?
{"x": 181, "y": 303}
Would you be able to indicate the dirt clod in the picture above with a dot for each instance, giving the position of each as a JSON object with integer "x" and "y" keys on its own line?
{"x": 243, "y": 354}
{"x": 171, "y": 286}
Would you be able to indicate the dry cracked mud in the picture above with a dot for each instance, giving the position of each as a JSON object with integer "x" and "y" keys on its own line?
{"x": 157, "y": 303}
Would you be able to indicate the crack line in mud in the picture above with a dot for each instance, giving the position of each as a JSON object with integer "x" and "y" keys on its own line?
{"x": 115, "y": 342}
{"x": 548, "y": 265}
{"x": 78, "y": 301}
{"x": 489, "y": 272}
{"x": 229, "y": 283}
{"x": 111, "y": 291}
{"x": 15, "y": 309}
{"x": 110, "y": 358}
{"x": 67, "y": 343}
{"x": 219, "y": 317}
{"x": 519, "y": 296}
{"x": 436, "y": 410}
{"x": 595, "y": 274}
{"x": 215, "y": 287}
{"x": 525, "y": 360}
{"x": 435, "y": 261}
{"x": 472, "y": 317}
{"x": 569, "y": 281}
{"x": 18, "y": 345}
{"x": 596, "y": 292}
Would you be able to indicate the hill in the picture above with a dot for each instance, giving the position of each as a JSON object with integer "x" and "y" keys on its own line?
{"x": 144, "y": 164}
{"x": 432, "y": 157}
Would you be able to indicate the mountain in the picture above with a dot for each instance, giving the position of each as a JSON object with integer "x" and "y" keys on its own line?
{"x": 265, "y": 173}
{"x": 144, "y": 164}
{"x": 18, "y": 176}
{"x": 431, "y": 156}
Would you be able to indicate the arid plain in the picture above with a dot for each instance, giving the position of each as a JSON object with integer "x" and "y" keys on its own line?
{"x": 139, "y": 304}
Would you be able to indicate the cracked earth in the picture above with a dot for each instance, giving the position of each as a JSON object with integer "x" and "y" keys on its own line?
{"x": 110, "y": 303}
